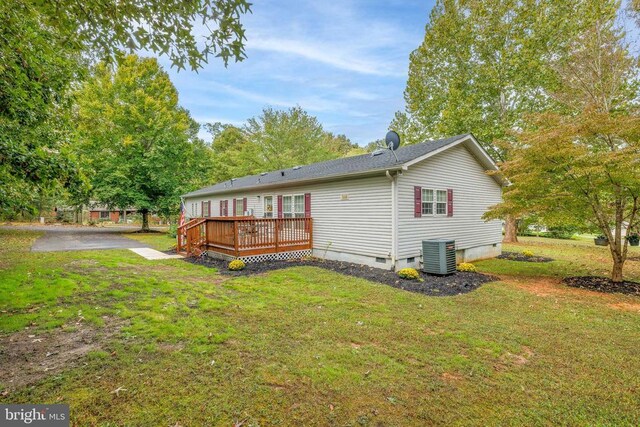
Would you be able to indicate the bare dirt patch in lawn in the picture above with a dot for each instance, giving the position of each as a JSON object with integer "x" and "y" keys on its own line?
{"x": 27, "y": 357}
{"x": 625, "y": 306}
{"x": 450, "y": 377}
{"x": 512, "y": 359}
{"x": 545, "y": 286}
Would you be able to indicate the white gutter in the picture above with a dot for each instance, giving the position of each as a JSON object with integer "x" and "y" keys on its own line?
{"x": 394, "y": 218}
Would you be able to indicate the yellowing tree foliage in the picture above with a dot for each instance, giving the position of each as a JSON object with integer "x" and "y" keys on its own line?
{"x": 582, "y": 163}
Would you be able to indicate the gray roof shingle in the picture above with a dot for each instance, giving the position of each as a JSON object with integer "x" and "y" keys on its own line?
{"x": 337, "y": 168}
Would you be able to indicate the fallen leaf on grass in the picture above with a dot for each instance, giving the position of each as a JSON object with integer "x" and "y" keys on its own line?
{"x": 118, "y": 390}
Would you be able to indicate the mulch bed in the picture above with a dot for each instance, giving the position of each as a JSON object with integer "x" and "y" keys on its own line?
{"x": 603, "y": 284}
{"x": 516, "y": 256}
{"x": 459, "y": 283}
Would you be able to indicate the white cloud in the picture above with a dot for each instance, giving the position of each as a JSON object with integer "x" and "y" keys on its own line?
{"x": 361, "y": 95}
{"x": 330, "y": 55}
{"x": 253, "y": 95}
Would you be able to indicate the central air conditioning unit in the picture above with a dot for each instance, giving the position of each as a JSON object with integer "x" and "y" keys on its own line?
{"x": 439, "y": 256}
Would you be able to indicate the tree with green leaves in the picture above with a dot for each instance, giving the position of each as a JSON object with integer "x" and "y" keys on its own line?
{"x": 285, "y": 138}
{"x": 581, "y": 163}
{"x": 484, "y": 65}
{"x": 274, "y": 140}
{"x": 36, "y": 74}
{"x": 138, "y": 146}
{"x": 233, "y": 154}
{"x": 45, "y": 47}
{"x": 188, "y": 32}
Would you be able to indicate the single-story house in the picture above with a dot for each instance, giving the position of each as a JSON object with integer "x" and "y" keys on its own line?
{"x": 373, "y": 209}
{"x": 100, "y": 212}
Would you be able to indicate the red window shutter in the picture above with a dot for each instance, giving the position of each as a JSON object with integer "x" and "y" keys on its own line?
{"x": 307, "y": 205}
{"x": 221, "y": 208}
{"x": 244, "y": 205}
{"x": 234, "y": 207}
{"x": 449, "y": 202}
{"x": 417, "y": 202}
{"x": 279, "y": 206}
{"x": 202, "y": 209}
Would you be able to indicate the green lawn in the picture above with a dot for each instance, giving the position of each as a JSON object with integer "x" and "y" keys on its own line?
{"x": 187, "y": 346}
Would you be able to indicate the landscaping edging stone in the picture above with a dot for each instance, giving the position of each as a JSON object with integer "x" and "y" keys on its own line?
{"x": 455, "y": 284}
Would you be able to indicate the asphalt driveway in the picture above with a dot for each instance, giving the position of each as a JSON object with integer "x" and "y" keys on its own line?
{"x": 82, "y": 238}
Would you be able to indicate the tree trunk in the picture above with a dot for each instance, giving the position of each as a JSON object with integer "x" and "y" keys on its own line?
{"x": 616, "y": 272}
{"x": 510, "y": 230}
{"x": 145, "y": 220}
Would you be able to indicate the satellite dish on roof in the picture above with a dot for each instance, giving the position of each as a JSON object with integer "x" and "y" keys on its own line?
{"x": 392, "y": 140}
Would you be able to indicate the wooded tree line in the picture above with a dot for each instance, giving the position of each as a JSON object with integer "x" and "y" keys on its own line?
{"x": 84, "y": 119}
{"x": 56, "y": 55}
{"x": 550, "y": 89}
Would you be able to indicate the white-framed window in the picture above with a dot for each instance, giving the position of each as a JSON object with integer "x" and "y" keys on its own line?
{"x": 434, "y": 202}
{"x": 293, "y": 206}
{"x": 206, "y": 209}
{"x": 267, "y": 202}
{"x": 239, "y": 207}
{"x": 441, "y": 202}
{"x": 104, "y": 215}
{"x": 427, "y": 201}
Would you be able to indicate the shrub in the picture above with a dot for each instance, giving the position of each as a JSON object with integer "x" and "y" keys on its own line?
{"x": 236, "y": 265}
{"x": 173, "y": 231}
{"x": 565, "y": 232}
{"x": 466, "y": 266}
{"x": 527, "y": 253}
{"x": 409, "y": 274}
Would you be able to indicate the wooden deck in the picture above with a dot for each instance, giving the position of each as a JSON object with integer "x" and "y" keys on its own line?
{"x": 245, "y": 236}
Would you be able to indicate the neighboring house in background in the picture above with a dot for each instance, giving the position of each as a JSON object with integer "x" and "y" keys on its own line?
{"x": 99, "y": 212}
{"x": 373, "y": 209}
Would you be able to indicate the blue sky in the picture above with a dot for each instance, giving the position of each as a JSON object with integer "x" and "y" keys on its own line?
{"x": 344, "y": 62}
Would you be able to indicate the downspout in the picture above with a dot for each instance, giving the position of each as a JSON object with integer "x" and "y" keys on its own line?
{"x": 394, "y": 218}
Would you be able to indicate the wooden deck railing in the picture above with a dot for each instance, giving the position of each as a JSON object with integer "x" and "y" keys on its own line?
{"x": 243, "y": 236}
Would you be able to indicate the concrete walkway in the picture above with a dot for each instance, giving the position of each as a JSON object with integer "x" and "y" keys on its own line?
{"x": 152, "y": 254}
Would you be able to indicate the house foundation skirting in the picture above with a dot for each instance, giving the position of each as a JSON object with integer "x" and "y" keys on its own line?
{"x": 472, "y": 254}
{"x": 280, "y": 256}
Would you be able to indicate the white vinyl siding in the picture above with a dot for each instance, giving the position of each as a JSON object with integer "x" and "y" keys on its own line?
{"x": 473, "y": 192}
{"x": 350, "y": 216}
{"x": 354, "y": 216}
